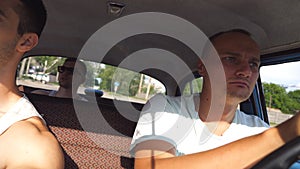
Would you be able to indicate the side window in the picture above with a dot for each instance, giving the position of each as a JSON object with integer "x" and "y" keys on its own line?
{"x": 193, "y": 87}
{"x": 281, "y": 84}
{"x": 41, "y": 72}
{"x": 123, "y": 84}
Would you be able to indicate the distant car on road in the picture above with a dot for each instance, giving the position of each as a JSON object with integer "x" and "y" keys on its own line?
{"x": 44, "y": 78}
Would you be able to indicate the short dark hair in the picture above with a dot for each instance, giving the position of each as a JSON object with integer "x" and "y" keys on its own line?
{"x": 79, "y": 62}
{"x": 32, "y": 16}
{"x": 213, "y": 37}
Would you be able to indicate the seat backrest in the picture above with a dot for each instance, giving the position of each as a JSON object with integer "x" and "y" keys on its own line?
{"x": 93, "y": 135}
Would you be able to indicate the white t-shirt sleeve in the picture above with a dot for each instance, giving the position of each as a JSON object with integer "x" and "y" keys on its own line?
{"x": 245, "y": 125}
{"x": 249, "y": 120}
{"x": 157, "y": 121}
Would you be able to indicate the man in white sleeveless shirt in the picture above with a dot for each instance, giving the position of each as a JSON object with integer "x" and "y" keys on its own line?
{"x": 25, "y": 141}
{"x": 179, "y": 132}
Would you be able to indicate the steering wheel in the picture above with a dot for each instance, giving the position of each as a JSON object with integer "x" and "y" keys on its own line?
{"x": 281, "y": 158}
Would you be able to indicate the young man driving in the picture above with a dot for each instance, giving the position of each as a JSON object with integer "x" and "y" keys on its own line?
{"x": 174, "y": 132}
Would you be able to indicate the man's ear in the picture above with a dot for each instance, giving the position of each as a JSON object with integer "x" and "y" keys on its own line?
{"x": 27, "y": 42}
{"x": 201, "y": 68}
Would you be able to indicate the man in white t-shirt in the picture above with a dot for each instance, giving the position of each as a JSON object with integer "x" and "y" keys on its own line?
{"x": 174, "y": 132}
{"x": 178, "y": 123}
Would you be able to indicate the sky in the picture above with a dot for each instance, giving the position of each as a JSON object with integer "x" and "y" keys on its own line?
{"x": 287, "y": 75}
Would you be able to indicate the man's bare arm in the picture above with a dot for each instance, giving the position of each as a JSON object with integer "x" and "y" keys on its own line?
{"x": 239, "y": 154}
{"x": 34, "y": 147}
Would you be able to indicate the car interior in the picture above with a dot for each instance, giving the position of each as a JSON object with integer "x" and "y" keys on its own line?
{"x": 157, "y": 39}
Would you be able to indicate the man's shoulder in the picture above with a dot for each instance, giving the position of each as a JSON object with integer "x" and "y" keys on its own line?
{"x": 165, "y": 98}
{"x": 250, "y": 120}
{"x": 29, "y": 140}
{"x": 30, "y": 132}
{"x": 42, "y": 92}
{"x": 161, "y": 102}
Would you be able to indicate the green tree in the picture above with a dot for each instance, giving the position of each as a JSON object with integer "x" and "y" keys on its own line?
{"x": 152, "y": 90}
{"x": 277, "y": 97}
{"x": 48, "y": 64}
{"x": 294, "y": 103}
{"x": 93, "y": 69}
{"x": 106, "y": 75}
{"x": 134, "y": 84}
{"x": 195, "y": 86}
{"x": 128, "y": 80}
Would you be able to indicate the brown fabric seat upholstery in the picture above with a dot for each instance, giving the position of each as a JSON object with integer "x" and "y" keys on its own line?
{"x": 93, "y": 135}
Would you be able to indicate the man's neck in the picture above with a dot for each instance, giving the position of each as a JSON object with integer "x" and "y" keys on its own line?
{"x": 8, "y": 97}
{"x": 66, "y": 93}
{"x": 216, "y": 121}
{"x": 9, "y": 93}
{"x": 63, "y": 92}
{"x": 222, "y": 109}
{"x": 205, "y": 106}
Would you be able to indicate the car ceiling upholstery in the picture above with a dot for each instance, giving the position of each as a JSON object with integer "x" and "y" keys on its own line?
{"x": 275, "y": 25}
